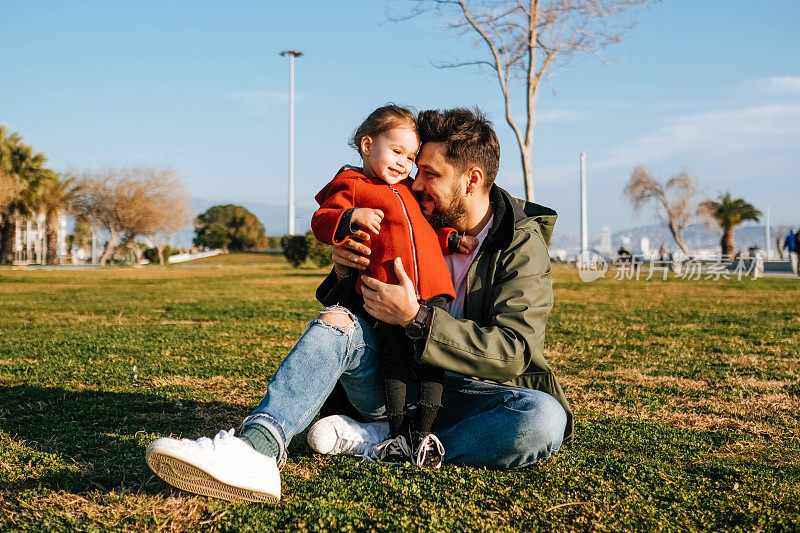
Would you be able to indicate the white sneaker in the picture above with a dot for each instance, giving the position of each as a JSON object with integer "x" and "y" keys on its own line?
{"x": 339, "y": 434}
{"x": 225, "y": 467}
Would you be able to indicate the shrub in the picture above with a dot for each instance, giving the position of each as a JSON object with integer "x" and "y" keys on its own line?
{"x": 295, "y": 249}
{"x": 231, "y": 227}
{"x": 214, "y": 235}
{"x": 151, "y": 254}
{"x": 318, "y": 252}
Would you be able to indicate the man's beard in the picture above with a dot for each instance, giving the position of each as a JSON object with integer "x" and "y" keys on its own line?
{"x": 449, "y": 215}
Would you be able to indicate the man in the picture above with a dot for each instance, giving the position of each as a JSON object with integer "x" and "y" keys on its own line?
{"x": 502, "y": 405}
{"x": 797, "y": 251}
{"x": 791, "y": 246}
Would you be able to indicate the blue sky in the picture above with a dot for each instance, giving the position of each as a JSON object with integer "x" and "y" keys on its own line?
{"x": 200, "y": 87}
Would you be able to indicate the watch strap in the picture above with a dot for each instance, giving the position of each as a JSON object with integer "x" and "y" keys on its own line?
{"x": 418, "y": 326}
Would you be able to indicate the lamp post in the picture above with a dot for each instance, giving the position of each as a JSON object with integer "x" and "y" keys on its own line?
{"x": 292, "y": 54}
{"x": 584, "y": 221}
{"x": 767, "y": 245}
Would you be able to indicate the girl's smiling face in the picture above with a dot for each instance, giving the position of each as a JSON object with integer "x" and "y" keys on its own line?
{"x": 390, "y": 156}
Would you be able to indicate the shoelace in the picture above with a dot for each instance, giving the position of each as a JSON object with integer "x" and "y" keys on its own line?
{"x": 357, "y": 447}
{"x": 398, "y": 444}
{"x": 428, "y": 444}
{"x": 222, "y": 435}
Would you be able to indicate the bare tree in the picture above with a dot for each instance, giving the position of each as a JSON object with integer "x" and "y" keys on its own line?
{"x": 677, "y": 200}
{"x": 132, "y": 202}
{"x": 524, "y": 40}
{"x": 171, "y": 214}
{"x": 96, "y": 198}
{"x": 139, "y": 193}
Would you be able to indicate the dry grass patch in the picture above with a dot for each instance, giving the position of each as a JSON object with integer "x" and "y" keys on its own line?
{"x": 633, "y": 376}
{"x": 236, "y": 390}
{"x": 766, "y": 414}
{"x": 636, "y": 377}
{"x": 592, "y": 405}
{"x": 112, "y": 510}
{"x": 188, "y": 322}
{"x": 307, "y": 470}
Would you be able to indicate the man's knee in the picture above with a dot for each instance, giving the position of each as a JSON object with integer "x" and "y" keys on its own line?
{"x": 543, "y": 422}
{"x": 339, "y": 317}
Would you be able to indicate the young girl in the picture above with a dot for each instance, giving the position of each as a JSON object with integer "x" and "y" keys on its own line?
{"x": 378, "y": 199}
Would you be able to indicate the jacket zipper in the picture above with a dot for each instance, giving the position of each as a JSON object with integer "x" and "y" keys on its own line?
{"x": 413, "y": 245}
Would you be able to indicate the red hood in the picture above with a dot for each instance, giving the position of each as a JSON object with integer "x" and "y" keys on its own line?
{"x": 345, "y": 172}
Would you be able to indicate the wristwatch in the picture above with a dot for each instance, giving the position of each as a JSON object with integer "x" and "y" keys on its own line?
{"x": 415, "y": 329}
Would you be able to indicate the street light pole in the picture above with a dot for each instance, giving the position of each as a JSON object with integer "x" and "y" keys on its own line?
{"x": 584, "y": 221}
{"x": 767, "y": 245}
{"x": 292, "y": 54}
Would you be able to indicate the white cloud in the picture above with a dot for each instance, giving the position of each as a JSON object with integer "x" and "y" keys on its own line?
{"x": 730, "y": 135}
{"x": 774, "y": 85}
{"x": 720, "y": 131}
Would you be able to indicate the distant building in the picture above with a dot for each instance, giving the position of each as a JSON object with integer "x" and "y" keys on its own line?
{"x": 30, "y": 239}
{"x": 644, "y": 245}
{"x": 605, "y": 242}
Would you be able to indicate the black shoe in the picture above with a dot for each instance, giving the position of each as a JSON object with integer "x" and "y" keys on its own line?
{"x": 395, "y": 450}
{"x": 428, "y": 450}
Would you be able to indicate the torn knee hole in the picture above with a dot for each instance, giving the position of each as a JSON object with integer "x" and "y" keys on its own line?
{"x": 340, "y": 318}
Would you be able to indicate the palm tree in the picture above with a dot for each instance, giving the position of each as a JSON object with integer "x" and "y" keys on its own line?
{"x": 9, "y": 183}
{"x": 26, "y": 169}
{"x": 728, "y": 213}
{"x": 54, "y": 195}
{"x": 9, "y": 188}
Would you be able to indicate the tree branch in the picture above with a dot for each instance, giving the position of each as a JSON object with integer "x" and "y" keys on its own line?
{"x": 502, "y": 72}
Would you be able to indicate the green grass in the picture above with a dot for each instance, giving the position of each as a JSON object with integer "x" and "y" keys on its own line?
{"x": 686, "y": 395}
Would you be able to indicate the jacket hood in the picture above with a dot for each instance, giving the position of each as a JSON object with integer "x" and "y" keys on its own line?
{"x": 508, "y": 211}
{"x": 346, "y": 171}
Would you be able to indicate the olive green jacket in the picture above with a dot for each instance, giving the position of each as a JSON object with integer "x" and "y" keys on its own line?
{"x": 508, "y": 297}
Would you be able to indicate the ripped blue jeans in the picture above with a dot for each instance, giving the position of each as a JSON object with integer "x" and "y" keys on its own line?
{"x": 479, "y": 424}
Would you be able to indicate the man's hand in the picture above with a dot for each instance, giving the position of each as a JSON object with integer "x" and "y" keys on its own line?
{"x": 368, "y": 219}
{"x": 393, "y": 304}
{"x": 351, "y": 254}
{"x": 467, "y": 244}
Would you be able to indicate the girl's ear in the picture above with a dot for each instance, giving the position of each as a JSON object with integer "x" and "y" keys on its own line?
{"x": 366, "y": 144}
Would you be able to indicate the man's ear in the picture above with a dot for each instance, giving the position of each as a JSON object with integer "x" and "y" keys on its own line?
{"x": 366, "y": 144}
{"x": 475, "y": 180}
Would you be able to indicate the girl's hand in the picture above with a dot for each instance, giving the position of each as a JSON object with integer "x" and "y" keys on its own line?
{"x": 352, "y": 253}
{"x": 368, "y": 219}
{"x": 467, "y": 244}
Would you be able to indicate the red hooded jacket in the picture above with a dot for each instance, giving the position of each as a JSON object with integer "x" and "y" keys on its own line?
{"x": 405, "y": 232}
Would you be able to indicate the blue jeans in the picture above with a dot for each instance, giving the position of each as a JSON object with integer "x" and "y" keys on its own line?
{"x": 479, "y": 424}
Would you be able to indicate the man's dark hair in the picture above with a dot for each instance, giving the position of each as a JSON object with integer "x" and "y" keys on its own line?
{"x": 382, "y": 120}
{"x": 468, "y": 137}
